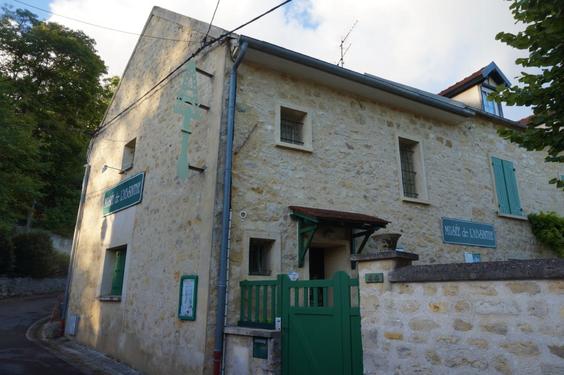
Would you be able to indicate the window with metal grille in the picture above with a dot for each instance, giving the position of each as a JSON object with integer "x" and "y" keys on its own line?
{"x": 408, "y": 172}
{"x": 292, "y": 126}
{"x": 259, "y": 256}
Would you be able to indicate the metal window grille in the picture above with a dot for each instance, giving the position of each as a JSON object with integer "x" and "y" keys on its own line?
{"x": 291, "y": 132}
{"x": 258, "y": 256}
{"x": 408, "y": 172}
{"x": 292, "y": 126}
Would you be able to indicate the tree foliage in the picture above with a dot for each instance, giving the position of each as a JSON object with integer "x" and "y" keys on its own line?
{"x": 51, "y": 98}
{"x": 548, "y": 228}
{"x": 543, "y": 89}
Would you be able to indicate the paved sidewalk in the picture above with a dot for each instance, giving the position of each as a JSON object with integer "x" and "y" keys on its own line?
{"x": 89, "y": 361}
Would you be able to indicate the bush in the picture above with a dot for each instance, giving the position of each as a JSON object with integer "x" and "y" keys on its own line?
{"x": 6, "y": 255}
{"x": 60, "y": 264}
{"x": 548, "y": 228}
{"x": 34, "y": 254}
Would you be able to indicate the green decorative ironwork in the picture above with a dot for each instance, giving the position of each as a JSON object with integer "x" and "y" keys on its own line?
{"x": 187, "y": 104}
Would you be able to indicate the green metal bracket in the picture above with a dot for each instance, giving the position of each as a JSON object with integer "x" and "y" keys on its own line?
{"x": 366, "y": 234}
{"x": 307, "y": 226}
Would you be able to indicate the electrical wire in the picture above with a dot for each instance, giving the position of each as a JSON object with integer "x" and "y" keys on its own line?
{"x": 211, "y": 22}
{"x": 101, "y": 26}
{"x": 194, "y": 54}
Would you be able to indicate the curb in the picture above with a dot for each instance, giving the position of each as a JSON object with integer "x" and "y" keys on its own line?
{"x": 86, "y": 360}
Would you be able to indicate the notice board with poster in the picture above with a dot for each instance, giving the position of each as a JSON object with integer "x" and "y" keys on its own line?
{"x": 188, "y": 297}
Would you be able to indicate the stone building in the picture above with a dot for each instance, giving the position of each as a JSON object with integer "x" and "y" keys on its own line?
{"x": 249, "y": 161}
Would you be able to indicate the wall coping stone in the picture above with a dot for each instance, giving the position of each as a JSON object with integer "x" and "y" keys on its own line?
{"x": 501, "y": 270}
{"x": 384, "y": 255}
{"x": 255, "y": 332}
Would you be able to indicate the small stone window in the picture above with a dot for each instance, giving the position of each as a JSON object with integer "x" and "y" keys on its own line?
{"x": 128, "y": 155}
{"x": 413, "y": 182}
{"x": 293, "y": 128}
{"x": 260, "y": 252}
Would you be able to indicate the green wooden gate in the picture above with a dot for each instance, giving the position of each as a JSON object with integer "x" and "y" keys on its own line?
{"x": 320, "y": 326}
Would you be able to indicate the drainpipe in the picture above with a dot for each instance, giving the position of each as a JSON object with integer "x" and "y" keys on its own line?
{"x": 77, "y": 226}
{"x": 225, "y": 222}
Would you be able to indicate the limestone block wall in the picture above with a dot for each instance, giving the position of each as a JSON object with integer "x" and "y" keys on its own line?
{"x": 353, "y": 166}
{"x": 462, "y": 327}
{"x": 169, "y": 234}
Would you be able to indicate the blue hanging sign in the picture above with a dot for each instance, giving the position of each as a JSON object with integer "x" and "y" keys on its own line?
{"x": 464, "y": 232}
{"x": 125, "y": 194}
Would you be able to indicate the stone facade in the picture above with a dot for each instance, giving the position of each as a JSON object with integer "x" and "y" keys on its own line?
{"x": 478, "y": 327}
{"x": 352, "y": 165}
{"x": 170, "y": 233}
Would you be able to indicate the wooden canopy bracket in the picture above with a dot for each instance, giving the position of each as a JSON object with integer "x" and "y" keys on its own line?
{"x": 307, "y": 226}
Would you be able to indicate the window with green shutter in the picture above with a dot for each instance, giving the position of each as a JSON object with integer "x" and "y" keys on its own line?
{"x": 119, "y": 269}
{"x": 506, "y": 187}
{"x": 113, "y": 274}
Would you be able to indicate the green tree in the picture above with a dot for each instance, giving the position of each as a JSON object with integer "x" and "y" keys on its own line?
{"x": 19, "y": 162}
{"x": 542, "y": 90}
{"x": 54, "y": 87}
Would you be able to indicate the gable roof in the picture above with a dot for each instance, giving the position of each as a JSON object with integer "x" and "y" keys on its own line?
{"x": 477, "y": 77}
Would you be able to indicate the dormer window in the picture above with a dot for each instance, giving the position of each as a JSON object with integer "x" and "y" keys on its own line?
{"x": 488, "y": 105}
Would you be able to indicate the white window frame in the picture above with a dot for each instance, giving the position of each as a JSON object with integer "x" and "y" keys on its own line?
{"x": 307, "y": 128}
{"x": 419, "y": 164}
{"x": 488, "y": 90}
{"x": 128, "y": 156}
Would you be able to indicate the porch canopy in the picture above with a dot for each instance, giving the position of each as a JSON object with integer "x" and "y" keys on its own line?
{"x": 309, "y": 219}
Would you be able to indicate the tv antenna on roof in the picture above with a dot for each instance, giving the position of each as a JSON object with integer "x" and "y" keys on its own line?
{"x": 344, "y": 49}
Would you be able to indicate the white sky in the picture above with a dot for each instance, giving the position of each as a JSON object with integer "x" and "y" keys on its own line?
{"x": 428, "y": 44}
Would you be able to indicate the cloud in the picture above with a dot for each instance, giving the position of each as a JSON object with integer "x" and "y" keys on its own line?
{"x": 428, "y": 44}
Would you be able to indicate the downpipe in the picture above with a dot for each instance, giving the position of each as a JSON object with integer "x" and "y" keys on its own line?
{"x": 225, "y": 222}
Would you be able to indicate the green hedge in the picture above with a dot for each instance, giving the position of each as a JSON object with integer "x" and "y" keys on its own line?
{"x": 548, "y": 228}
{"x": 35, "y": 256}
{"x": 6, "y": 255}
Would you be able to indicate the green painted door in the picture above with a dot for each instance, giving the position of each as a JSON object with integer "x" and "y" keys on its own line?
{"x": 320, "y": 326}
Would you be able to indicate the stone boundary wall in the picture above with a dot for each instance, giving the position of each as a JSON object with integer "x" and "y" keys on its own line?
{"x": 473, "y": 326}
{"x": 26, "y": 286}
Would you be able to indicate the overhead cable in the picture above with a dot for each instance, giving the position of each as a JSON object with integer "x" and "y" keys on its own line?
{"x": 194, "y": 54}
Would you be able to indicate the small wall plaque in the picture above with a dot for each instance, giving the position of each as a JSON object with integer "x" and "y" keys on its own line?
{"x": 260, "y": 348}
{"x": 188, "y": 297}
{"x": 371, "y": 278}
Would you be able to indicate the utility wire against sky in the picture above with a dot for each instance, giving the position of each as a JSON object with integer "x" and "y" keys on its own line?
{"x": 211, "y": 22}
{"x": 101, "y": 26}
{"x": 197, "y": 52}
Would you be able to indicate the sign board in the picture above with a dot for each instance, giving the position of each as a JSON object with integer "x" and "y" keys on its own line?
{"x": 464, "y": 232}
{"x": 125, "y": 194}
{"x": 472, "y": 258}
{"x": 188, "y": 297}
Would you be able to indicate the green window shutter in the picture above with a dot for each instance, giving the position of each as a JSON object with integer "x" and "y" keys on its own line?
{"x": 512, "y": 191}
{"x": 500, "y": 186}
{"x": 117, "y": 279}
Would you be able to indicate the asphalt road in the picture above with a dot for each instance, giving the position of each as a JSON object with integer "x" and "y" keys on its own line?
{"x": 19, "y": 355}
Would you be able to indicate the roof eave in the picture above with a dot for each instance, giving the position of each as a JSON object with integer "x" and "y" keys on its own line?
{"x": 368, "y": 80}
